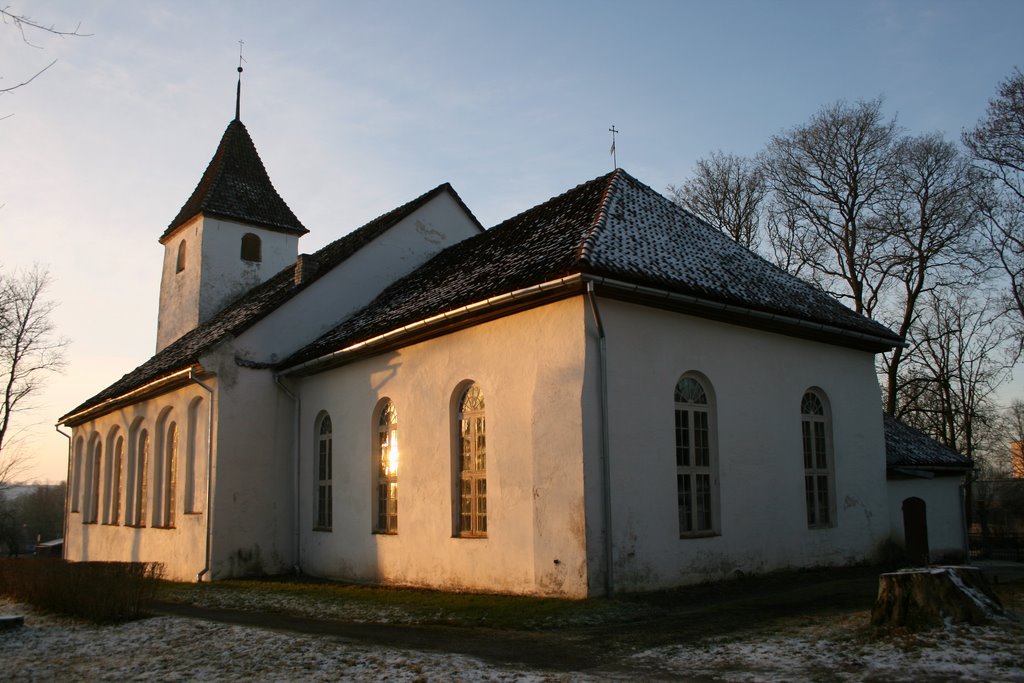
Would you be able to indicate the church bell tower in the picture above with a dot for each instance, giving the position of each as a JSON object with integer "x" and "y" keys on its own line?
{"x": 233, "y": 233}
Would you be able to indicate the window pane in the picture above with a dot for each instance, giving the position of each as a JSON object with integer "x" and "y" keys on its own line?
{"x": 685, "y": 502}
{"x": 481, "y": 505}
{"x": 703, "y": 500}
{"x": 689, "y": 390}
{"x": 811, "y": 507}
{"x": 701, "y": 449}
{"x": 481, "y": 445}
{"x": 808, "y": 456}
{"x": 465, "y": 505}
{"x": 465, "y": 446}
{"x": 821, "y": 456}
{"x": 823, "y": 502}
{"x": 683, "y": 438}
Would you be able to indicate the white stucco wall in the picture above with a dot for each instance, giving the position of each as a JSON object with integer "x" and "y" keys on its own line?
{"x": 942, "y": 498}
{"x": 214, "y": 272}
{"x": 254, "y": 472}
{"x": 182, "y": 548}
{"x": 530, "y": 369}
{"x": 758, "y": 379}
{"x": 436, "y": 225}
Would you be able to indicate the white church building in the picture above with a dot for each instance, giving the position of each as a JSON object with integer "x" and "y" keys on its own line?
{"x": 600, "y": 394}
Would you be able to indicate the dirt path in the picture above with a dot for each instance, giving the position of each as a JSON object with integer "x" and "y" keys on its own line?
{"x": 676, "y": 617}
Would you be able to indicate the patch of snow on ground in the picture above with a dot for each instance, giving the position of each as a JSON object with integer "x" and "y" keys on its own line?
{"x": 848, "y": 651}
{"x": 177, "y": 648}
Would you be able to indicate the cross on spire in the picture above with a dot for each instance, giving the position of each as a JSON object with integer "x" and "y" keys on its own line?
{"x": 238, "y": 90}
{"x": 615, "y": 162}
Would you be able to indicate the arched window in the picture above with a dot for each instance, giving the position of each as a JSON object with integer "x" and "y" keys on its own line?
{"x": 112, "y": 478}
{"x": 387, "y": 470}
{"x": 816, "y": 432}
{"x": 472, "y": 456}
{"x": 169, "y": 475}
{"x": 194, "y": 454}
{"x": 696, "y": 469}
{"x": 180, "y": 264}
{"x": 251, "y": 248}
{"x": 164, "y": 466}
{"x": 324, "y": 483}
{"x": 136, "y": 486}
{"x": 92, "y": 480}
{"x": 75, "y": 487}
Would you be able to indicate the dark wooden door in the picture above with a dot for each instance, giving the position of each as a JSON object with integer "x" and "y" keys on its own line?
{"x": 915, "y": 530}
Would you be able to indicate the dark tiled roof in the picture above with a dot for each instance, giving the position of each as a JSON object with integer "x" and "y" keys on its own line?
{"x": 908, "y": 447}
{"x": 257, "y": 303}
{"x": 236, "y": 186}
{"x": 613, "y": 226}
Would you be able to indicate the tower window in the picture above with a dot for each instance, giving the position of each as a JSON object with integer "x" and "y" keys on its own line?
{"x": 180, "y": 266}
{"x": 251, "y": 248}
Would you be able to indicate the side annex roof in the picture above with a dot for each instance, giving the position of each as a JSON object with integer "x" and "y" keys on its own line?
{"x": 908, "y": 449}
{"x": 256, "y": 304}
{"x": 619, "y": 232}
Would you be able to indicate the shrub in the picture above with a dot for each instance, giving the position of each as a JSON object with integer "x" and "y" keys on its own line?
{"x": 98, "y": 591}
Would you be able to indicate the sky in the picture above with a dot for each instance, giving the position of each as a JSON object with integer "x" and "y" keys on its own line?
{"x": 358, "y": 107}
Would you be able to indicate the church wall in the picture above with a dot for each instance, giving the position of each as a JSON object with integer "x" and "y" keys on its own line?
{"x": 182, "y": 548}
{"x": 757, "y": 380}
{"x": 944, "y": 514}
{"x": 253, "y": 497}
{"x": 355, "y": 282}
{"x": 529, "y": 367}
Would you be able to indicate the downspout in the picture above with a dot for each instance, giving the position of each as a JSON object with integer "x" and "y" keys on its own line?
{"x": 297, "y": 450}
{"x": 67, "y": 494}
{"x": 609, "y": 584}
{"x": 209, "y": 478}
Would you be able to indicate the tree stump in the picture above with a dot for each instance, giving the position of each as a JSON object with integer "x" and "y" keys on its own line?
{"x": 931, "y": 596}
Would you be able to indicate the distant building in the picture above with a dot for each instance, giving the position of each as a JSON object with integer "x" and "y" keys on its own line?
{"x": 1016, "y": 460}
{"x": 602, "y": 393}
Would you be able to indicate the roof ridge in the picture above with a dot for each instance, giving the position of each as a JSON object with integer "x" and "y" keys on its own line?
{"x": 600, "y": 217}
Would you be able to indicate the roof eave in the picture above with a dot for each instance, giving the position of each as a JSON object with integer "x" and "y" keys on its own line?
{"x": 160, "y": 385}
{"x": 927, "y": 471}
{"x": 749, "y": 317}
{"x": 444, "y": 323}
{"x": 287, "y": 230}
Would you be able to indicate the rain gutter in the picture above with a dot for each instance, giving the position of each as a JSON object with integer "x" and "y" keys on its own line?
{"x": 457, "y": 313}
{"x": 112, "y": 403}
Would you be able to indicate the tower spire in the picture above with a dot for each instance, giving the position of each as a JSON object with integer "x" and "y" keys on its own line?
{"x": 238, "y": 90}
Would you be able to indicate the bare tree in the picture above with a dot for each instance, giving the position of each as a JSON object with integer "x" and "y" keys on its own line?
{"x": 30, "y": 350}
{"x": 960, "y": 356}
{"x": 935, "y": 235}
{"x": 829, "y": 178}
{"x": 728, "y": 192}
{"x": 26, "y": 26}
{"x": 997, "y": 144}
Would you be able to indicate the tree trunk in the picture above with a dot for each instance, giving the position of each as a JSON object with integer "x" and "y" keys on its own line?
{"x": 931, "y": 596}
